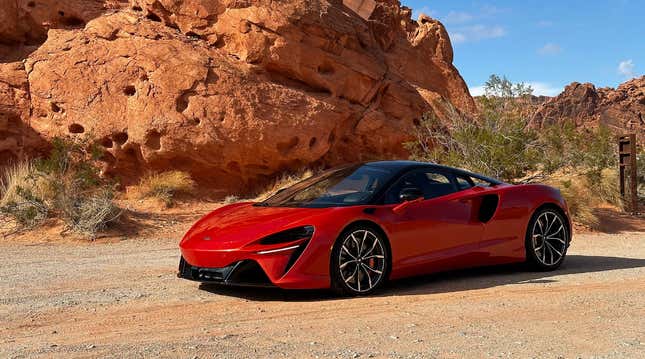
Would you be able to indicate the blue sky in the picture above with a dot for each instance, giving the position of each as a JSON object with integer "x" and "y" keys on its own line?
{"x": 547, "y": 44}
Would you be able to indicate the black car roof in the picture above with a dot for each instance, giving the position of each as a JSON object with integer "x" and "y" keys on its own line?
{"x": 403, "y": 166}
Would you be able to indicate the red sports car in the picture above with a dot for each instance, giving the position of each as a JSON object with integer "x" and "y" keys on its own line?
{"x": 355, "y": 227}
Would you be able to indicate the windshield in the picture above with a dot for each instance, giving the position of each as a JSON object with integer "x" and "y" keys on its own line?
{"x": 347, "y": 186}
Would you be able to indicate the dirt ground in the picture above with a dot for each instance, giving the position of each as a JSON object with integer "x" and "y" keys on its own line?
{"x": 119, "y": 297}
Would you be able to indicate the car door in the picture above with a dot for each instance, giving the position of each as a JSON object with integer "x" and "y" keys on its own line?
{"x": 439, "y": 232}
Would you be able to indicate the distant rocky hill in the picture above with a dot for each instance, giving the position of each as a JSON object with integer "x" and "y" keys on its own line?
{"x": 231, "y": 91}
{"x": 621, "y": 109}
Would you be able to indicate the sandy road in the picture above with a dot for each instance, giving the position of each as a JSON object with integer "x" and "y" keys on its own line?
{"x": 123, "y": 300}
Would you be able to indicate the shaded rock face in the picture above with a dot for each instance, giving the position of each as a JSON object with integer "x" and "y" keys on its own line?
{"x": 622, "y": 109}
{"x": 17, "y": 139}
{"x": 236, "y": 91}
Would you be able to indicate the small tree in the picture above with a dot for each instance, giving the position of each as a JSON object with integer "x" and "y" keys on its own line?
{"x": 499, "y": 144}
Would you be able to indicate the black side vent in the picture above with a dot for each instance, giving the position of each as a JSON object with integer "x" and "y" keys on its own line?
{"x": 488, "y": 207}
{"x": 295, "y": 255}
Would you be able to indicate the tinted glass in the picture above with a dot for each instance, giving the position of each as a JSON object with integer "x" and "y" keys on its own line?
{"x": 481, "y": 182}
{"x": 432, "y": 184}
{"x": 410, "y": 180}
{"x": 464, "y": 182}
{"x": 437, "y": 185}
{"x": 346, "y": 186}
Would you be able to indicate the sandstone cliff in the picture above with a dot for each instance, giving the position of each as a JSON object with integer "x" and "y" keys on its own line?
{"x": 231, "y": 91}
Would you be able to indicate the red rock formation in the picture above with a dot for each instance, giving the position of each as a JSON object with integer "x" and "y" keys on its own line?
{"x": 236, "y": 91}
{"x": 17, "y": 139}
{"x": 621, "y": 109}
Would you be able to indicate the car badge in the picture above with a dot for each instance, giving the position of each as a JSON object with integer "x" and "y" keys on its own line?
{"x": 207, "y": 238}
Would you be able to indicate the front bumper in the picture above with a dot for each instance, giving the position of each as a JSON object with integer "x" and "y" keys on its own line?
{"x": 242, "y": 273}
{"x": 303, "y": 267}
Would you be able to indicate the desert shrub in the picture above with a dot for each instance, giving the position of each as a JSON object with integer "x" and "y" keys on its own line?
{"x": 500, "y": 148}
{"x": 583, "y": 194}
{"x": 66, "y": 184}
{"x": 164, "y": 186}
{"x": 576, "y": 194}
{"x": 563, "y": 146}
{"x": 500, "y": 143}
{"x": 91, "y": 212}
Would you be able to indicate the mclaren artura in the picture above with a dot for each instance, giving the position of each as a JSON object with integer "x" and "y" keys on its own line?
{"x": 354, "y": 228}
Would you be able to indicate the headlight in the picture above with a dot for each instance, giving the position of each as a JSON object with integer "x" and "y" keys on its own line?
{"x": 290, "y": 235}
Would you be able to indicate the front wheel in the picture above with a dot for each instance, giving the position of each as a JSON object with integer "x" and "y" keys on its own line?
{"x": 547, "y": 240}
{"x": 359, "y": 261}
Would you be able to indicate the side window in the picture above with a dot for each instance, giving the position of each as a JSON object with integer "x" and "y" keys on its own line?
{"x": 464, "y": 183}
{"x": 432, "y": 184}
{"x": 414, "y": 179}
{"x": 481, "y": 182}
{"x": 437, "y": 185}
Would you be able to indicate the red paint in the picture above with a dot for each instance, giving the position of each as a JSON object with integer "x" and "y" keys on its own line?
{"x": 425, "y": 236}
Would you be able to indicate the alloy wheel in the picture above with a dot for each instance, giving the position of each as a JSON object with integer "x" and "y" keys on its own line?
{"x": 549, "y": 238}
{"x": 362, "y": 260}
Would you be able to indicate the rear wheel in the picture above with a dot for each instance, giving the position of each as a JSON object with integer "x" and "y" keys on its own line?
{"x": 360, "y": 261}
{"x": 547, "y": 240}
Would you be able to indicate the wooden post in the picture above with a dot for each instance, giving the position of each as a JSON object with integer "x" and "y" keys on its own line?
{"x": 628, "y": 171}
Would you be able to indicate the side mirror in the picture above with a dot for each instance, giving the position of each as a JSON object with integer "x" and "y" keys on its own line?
{"x": 409, "y": 194}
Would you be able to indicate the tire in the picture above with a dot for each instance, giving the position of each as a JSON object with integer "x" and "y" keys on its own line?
{"x": 360, "y": 261}
{"x": 547, "y": 240}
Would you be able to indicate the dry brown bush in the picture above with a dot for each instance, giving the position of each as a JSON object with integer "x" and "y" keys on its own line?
{"x": 583, "y": 193}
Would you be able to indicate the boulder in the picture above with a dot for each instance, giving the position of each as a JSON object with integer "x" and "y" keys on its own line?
{"x": 234, "y": 92}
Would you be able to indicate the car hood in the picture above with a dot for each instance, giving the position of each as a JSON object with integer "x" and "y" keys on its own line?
{"x": 237, "y": 225}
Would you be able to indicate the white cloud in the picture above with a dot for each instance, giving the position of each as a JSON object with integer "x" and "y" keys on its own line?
{"x": 477, "y": 33}
{"x": 626, "y": 68}
{"x": 477, "y": 91}
{"x": 550, "y": 49}
{"x": 545, "y": 89}
{"x": 539, "y": 89}
{"x": 457, "y": 17}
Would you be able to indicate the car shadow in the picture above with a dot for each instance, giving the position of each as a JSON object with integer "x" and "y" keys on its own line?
{"x": 446, "y": 282}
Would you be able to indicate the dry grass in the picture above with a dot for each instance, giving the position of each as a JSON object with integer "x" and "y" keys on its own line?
{"x": 584, "y": 193}
{"x": 285, "y": 180}
{"x": 26, "y": 195}
{"x": 164, "y": 186}
{"x": 23, "y": 178}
